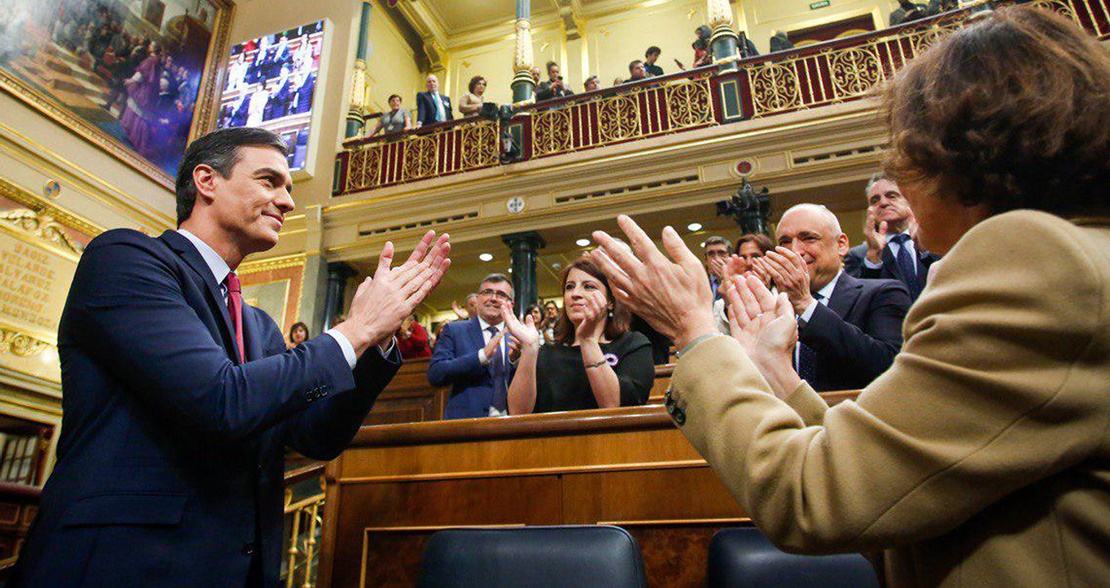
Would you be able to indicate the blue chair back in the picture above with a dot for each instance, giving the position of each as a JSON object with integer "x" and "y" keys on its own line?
{"x": 549, "y": 557}
{"x": 744, "y": 558}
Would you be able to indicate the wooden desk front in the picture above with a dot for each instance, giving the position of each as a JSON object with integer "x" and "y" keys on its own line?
{"x": 398, "y": 484}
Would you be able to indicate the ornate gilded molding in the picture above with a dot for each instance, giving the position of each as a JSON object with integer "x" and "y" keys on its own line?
{"x": 271, "y": 264}
{"x": 21, "y": 344}
{"x": 44, "y": 208}
{"x": 40, "y": 226}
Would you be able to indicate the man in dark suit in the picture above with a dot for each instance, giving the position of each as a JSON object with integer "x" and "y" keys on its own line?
{"x": 470, "y": 356}
{"x": 179, "y": 399}
{"x": 431, "y": 106}
{"x": 716, "y": 252}
{"x": 890, "y": 250}
{"x": 304, "y": 93}
{"x": 849, "y": 330}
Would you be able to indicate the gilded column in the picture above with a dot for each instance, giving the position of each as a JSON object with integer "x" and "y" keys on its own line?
{"x": 523, "y": 84}
{"x": 356, "y": 110}
{"x": 724, "y": 44}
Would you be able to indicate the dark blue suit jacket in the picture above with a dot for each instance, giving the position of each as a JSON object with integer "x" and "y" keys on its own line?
{"x": 857, "y": 335}
{"x": 455, "y": 362}
{"x": 854, "y": 265}
{"x": 169, "y": 469}
{"x": 426, "y": 108}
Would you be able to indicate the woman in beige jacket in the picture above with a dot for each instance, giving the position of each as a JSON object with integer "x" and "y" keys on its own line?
{"x": 982, "y": 456}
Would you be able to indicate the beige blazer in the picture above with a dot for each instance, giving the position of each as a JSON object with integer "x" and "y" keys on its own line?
{"x": 980, "y": 458}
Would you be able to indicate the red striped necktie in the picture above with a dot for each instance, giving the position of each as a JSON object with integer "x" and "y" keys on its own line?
{"x": 235, "y": 307}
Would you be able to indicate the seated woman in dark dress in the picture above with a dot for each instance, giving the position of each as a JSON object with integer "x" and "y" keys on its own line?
{"x": 594, "y": 362}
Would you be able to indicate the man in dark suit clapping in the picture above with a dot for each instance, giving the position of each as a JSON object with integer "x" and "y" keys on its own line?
{"x": 849, "y": 330}
{"x": 179, "y": 399}
{"x": 891, "y": 250}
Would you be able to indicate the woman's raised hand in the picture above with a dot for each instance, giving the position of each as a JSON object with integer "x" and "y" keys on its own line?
{"x": 525, "y": 334}
{"x": 593, "y": 320}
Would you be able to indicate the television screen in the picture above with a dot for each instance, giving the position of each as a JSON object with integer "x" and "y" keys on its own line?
{"x": 271, "y": 82}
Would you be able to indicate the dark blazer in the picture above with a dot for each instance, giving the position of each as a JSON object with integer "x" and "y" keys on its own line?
{"x": 455, "y": 362}
{"x": 545, "y": 92}
{"x": 858, "y": 333}
{"x": 426, "y": 108}
{"x": 170, "y": 459}
{"x": 854, "y": 265}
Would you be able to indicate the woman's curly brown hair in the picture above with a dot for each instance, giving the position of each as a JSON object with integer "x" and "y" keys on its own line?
{"x": 1011, "y": 112}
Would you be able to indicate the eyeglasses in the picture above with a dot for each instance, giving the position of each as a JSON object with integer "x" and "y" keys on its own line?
{"x": 498, "y": 293}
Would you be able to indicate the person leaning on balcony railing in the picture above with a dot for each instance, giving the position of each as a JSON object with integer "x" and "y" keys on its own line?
{"x": 554, "y": 86}
{"x": 650, "y": 57}
{"x": 594, "y": 362}
{"x": 592, "y": 84}
{"x": 396, "y": 120}
{"x": 982, "y": 456}
{"x": 471, "y": 101}
{"x": 636, "y": 71}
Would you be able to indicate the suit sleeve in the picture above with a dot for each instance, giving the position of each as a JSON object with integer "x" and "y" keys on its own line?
{"x": 543, "y": 91}
{"x": 991, "y": 392}
{"x": 421, "y": 110}
{"x": 853, "y": 263}
{"x": 450, "y": 360}
{"x": 129, "y": 312}
{"x": 325, "y": 429}
{"x": 870, "y": 350}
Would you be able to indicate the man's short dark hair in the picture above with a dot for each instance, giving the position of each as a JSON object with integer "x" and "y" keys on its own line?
{"x": 632, "y": 65}
{"x": 392, "y": 96}
{"x": 220, "y": 151}
{"x": 716, "y": 240}
{"x": 549, "y": 64}
{"x": 875, "y": 179}
{"x": 496, "y": 278}
{"x": 653, "y": 50}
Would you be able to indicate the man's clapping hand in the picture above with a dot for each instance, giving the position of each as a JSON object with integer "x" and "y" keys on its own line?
{"x": 384, "y": 300}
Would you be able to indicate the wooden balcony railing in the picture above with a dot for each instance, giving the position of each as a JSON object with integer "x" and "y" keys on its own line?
{"x": 778, "y": 83}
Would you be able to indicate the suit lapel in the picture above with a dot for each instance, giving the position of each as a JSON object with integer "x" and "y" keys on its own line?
{"x": 252, "y": 333}
{"x": 192, "y": 258}
{"x": 844, "y": 295}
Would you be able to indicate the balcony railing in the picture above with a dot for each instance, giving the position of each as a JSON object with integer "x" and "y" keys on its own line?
{"x": 304, "y": 519}
{"x": 808, "y": 77}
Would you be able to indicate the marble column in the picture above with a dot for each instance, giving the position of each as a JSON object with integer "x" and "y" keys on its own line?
{"x": 357, "y": 102}
{"x": 525, "y": 250}
{"x": 338, "y": 274}
{"x": 725, "y": 43}
{"x": 524, "y": 86}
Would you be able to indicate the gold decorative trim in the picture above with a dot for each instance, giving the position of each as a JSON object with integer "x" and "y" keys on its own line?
{"x": 21, "y": 344}
{"x": 24, "y": 197}
{"x": 271, "y": 264}
{"x": 41, "y": 226}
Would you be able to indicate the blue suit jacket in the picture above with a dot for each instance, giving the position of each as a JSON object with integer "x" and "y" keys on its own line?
{"x": 455, "y": 362}
{"x": 426, "y": 108}
{"x": 858, "y": 333}
{"x": 854, "y": 265}
{"x": 169, "y": 469}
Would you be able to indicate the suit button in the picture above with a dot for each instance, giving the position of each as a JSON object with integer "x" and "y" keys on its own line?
{"x": 248, "y": 548}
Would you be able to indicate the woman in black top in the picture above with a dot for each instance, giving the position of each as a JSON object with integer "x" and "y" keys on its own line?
{"x": 595, "y": 361}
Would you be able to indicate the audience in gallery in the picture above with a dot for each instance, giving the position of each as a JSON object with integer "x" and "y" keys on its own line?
{"x": 909, "y": 11}
{"x": 431, "y": 106}
{"x": 471, "y": 102}
{"x": 702, "y": 57}
{"x": 298, "y": 334}
{"x": 891, "y": 250}
{"x": 471, "y": 355}
{"x": 550, "y": 317}
{"x": 412, "y": 339}
{"x": 471, "y": 307}
{"x": 749, "y": 247}
{"x": 716, "y": 253}
{"x": 396, "y": 120}
{"x": 981, "y": 457}
{"x": 636, "y": 72}
{"x": 849, "y": 330}
{"x": 780, "y": 41}
{"x": 592, "y": 84}
{"x": 553, "y": 87}
{"x": 536, "y": 75}
{"x": 595, "y": 361}
{"x": 650, "y": 57}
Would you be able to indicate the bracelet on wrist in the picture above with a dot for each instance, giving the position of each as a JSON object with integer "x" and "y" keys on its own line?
{"x": 597, "y": 364}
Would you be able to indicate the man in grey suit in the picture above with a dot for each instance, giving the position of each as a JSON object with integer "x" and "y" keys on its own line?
{"x": 891, "y": 250}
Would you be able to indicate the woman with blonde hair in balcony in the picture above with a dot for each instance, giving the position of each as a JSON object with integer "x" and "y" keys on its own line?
{"x": 982, "y": 456}
{"x": 594, "y": 362}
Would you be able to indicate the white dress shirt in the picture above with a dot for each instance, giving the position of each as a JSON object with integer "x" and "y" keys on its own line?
{"x": 220, "y": 270}
{"x": 441, "y": 112}
{"x": 894, "y": 249}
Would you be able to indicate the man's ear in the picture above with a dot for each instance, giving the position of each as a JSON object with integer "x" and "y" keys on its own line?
{"x": 206, "y": 179}
{"x": 843, "y": 245}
